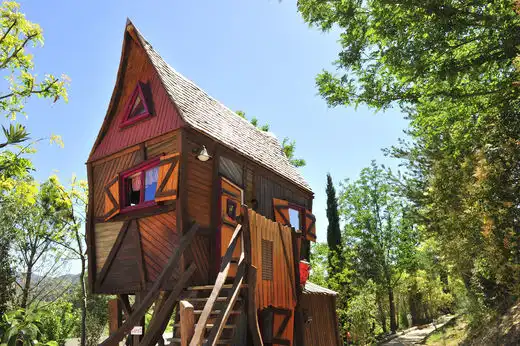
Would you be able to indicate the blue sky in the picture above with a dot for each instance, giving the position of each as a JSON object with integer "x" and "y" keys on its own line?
{"x": 256, "y": 56}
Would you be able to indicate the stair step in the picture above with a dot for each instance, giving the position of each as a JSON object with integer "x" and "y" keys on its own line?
{"x": 210, "y": 287}
{"x": 219, "y": 299}
{"x": 211, "y": 325}
{"x": 219, "y": 342}
{"x": 217, "y": 312}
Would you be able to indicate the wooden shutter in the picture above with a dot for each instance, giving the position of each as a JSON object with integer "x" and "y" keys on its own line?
{"x": 281, "y": 211}
{"x": 168, "y": 180}
{"x": 112, "y": 205}
{"x": 310, "y": 226}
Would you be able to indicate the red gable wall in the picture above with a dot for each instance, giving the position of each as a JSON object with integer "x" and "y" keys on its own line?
{"x": 165, "y": 117}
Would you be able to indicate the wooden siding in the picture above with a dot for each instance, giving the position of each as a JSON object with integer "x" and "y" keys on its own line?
{"x": 159, "y": 238}
{"x": 167, "y": 144}
{"x": 266, "y": 188}
{"x": 105, "y": 236}
{"x": 105, "y": 171}
{"x": 164, "y": 114}
{"x": 249, "y": 183}
{"x": 322, "y": 330}
{"x": 279, "y": 292}
{"x": 199, "y": 187}
{"x": 122, "y": 274}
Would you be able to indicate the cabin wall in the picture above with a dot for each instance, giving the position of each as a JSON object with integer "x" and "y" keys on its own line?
{"x": 266, "y": 187}
{"x": 164, "y": 117}
{"x": 323, "y": 329}
{"x": 150, "y": 236}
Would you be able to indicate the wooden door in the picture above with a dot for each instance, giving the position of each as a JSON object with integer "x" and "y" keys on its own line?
{"x": 231, "y": 197}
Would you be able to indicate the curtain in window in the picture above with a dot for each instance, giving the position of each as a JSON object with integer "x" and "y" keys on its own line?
{"x": 136, "y": 182}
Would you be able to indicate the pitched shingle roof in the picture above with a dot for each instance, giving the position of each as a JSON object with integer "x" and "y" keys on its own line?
{"x": 311, "y": 288}
{"x": 209, "y": 116}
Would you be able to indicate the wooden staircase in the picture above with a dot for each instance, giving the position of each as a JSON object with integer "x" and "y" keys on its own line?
{"x": 219, "y": 314}
{"x": 195, "y": 298}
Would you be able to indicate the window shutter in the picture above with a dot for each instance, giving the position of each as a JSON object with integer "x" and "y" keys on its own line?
{"x": 112, "y": 206}
{"x": 281, "y": 211}
{"x": 168, "y": 180}
{"x": 310, "y": 226}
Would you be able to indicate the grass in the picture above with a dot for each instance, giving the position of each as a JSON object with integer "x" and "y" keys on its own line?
{"x": 451, "y": 334}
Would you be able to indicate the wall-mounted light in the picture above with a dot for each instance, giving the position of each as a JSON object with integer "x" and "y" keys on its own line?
{"x": 203, "y": 154}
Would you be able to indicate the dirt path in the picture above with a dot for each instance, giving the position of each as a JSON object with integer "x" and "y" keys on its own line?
{"x": 414, "y": 336}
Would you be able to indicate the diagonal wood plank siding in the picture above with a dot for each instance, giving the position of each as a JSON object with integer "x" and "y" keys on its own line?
{"x": 105, "y": 235}
{"x": 106, "y": 171}
{"x": 159, "y": 239}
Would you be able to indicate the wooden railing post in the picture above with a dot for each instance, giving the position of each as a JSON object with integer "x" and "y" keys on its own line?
{"x": 187, "y": 317}
{"x": 246, "y": 235}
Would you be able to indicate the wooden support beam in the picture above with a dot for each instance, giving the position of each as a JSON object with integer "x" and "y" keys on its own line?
{"x": 187, "y": 319}
{"x": 159, "y": 324}
{"x": 246, "y": 235}
{"x": 114, "y": 315}
{"x": 166, "y": 274}
{"x": 252, "y": 316}
{"x": 125, "y": 304}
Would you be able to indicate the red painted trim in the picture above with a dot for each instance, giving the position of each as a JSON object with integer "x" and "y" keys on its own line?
{"x": 138, "y": 91}
{"x": 122, "y": 186}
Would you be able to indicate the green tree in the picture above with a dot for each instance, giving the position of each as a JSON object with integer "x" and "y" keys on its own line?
{"x": 17, "y": 35}
{"x": 34, "y": 216}
{"x": 373, "y": 213}
{"x": 452, "y": 68}
{"x": 333, "y": 228}
{"x": 288, "y": 146}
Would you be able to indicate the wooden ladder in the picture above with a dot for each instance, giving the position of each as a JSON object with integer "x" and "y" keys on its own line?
{"x": 191, "y": 307}
{"x": 225, "y": 301}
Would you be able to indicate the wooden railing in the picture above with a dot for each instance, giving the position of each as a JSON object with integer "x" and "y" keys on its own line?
{"x": 246, "y": 273}
{"x": 166, "y": 301}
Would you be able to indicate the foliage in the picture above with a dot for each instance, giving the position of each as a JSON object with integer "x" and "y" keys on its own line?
{"x": 362, "y": 323}
{"x": 319, "y": 257}
{"x": 453, "y": 69}
{"x": 333, "y": 228}
{"x": 59, "y": 321}
{"x": 22, "y": 327}
{"x": 97, "y": 317}
{"x": 37, "y": 217}
{"x": 17, "y": 36}
{"x": 288, "y": 146}
{"x": 377, "y": 231}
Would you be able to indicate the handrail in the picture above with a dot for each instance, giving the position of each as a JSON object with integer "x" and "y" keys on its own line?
{"x": 218, "y": 327}
{"x": 219, "y": 282}
{"x": 153, "y": 293}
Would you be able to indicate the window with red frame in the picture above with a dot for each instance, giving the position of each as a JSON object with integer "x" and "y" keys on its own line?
{"x": 137, "y": 107}
{"x": 139, "y": 185}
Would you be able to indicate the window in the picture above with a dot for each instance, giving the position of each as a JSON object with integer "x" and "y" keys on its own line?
{"x": 139, "y": 185}
{"x": 137, "y": 107}
{"x": 295, "y": 217}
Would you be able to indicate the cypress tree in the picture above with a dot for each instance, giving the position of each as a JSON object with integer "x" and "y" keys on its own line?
{"x": 333, "y": 228}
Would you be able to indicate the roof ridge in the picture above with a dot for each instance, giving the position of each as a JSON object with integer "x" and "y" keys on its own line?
{"x": 204, "y": 113}
{"x": 197, "y": 86}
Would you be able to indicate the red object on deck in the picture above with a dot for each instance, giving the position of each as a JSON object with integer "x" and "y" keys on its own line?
{"x": 305, "y": 268}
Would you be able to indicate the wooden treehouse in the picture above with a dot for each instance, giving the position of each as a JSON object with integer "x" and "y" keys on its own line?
{"x": 198, "y": 216}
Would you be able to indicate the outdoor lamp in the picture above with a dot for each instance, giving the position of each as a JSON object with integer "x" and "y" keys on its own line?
{"x": 203, "y": 154}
